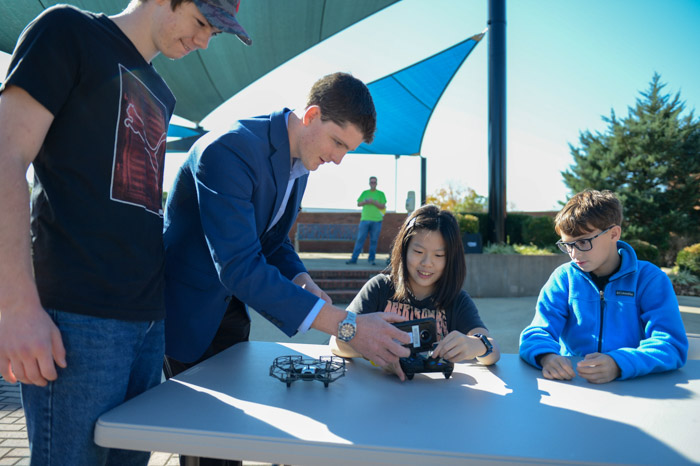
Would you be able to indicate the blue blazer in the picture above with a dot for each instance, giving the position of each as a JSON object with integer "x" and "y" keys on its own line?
{"x": 217, "y": 242}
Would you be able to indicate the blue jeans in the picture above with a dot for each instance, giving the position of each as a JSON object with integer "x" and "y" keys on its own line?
{"x": 373, "y": 229}
{"x": 109, "y": 361}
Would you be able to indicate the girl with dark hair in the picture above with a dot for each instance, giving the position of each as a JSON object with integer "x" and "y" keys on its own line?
{"x": 425, "y": 279}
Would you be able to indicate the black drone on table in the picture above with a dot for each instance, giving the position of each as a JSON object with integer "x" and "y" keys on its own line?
{"x": 325, "y": 369}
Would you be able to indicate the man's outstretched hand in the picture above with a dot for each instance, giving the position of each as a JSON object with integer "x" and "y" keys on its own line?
{"x": 379, "y": 341}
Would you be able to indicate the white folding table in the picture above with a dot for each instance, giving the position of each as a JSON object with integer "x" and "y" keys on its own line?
{"x": 230, "y": 407}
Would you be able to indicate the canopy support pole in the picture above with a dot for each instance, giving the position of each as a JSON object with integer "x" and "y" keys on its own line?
{"x": 423, "y": 178}
{"x": 497, "y": 121}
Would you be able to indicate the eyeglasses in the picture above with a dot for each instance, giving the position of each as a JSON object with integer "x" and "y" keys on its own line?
{"x": 583, "y": 244}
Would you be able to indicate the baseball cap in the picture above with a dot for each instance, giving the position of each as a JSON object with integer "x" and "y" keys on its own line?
{"x": 222, "y": 15}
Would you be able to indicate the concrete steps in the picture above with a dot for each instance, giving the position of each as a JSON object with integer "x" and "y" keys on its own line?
{"x": 342, "y": 285}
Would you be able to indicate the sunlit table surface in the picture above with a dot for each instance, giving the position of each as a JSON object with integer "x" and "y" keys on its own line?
{"x": 230, "y": 407}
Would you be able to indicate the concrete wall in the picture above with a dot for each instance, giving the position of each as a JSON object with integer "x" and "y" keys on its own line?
{"x": 509, "y": 275}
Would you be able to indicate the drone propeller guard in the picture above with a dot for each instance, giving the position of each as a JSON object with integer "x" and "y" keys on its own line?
{"x": 325, "y": 369}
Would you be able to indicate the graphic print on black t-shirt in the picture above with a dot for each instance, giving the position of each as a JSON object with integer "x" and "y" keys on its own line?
{"x": 139, "y": 149}
{"x": 411, "y": 312}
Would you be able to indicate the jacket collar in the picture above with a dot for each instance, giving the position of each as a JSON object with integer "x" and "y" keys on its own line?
{"x": 279, "y": 136}
{"x": 629, "y": 260}
{"x": 280, "y": 157}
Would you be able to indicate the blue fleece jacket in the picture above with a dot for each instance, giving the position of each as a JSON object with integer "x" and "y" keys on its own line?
{"x": 635, "y": 320}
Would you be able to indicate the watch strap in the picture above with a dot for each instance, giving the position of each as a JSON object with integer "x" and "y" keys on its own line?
{"x": 487, "y": 344}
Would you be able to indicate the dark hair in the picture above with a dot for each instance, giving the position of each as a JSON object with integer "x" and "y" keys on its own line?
{"x": 430, "y": 217}
{"x": 345, "y": 99}
{"x": 588, "y": 210}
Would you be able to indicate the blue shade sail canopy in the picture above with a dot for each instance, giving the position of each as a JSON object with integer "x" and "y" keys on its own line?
{"x": 405, "y": 100}
{"x": 179, "y": 131}
{"x": 181, "y": 138}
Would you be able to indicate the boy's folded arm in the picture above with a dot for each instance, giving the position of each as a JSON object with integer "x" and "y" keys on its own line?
{"x": 535, "y": 343}
{"x": 542, "y": 335}
{"x": 659, "y": 353}
{"x": 665, "y": 344}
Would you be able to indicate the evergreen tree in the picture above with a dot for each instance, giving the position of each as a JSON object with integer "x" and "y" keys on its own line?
{"x": 651, "y": 160}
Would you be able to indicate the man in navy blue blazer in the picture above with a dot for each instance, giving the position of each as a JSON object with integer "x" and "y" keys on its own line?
{"x": 227, "y": 224}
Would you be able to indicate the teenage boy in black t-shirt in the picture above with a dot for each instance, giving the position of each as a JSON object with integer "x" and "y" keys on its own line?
{"x": 83, "y": 104}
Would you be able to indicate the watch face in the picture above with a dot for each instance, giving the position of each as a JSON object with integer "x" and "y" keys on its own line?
{"x": 347, "y": 328}
{"x": 346, "y": 332}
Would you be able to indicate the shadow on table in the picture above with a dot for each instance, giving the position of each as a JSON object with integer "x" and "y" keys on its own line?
{"x": 506, "y": 412}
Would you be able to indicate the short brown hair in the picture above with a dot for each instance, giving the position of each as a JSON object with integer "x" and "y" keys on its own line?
{"x": 344, "y": 99}
{"x": 588, "y": 210}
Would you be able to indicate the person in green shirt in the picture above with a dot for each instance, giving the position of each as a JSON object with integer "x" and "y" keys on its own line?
{"x": 373, "y": 203}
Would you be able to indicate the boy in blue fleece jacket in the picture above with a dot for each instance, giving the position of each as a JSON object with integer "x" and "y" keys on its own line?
{"x": 619, "y": 313}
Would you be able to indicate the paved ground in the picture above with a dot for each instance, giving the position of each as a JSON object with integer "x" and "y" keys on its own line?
{"x": 505, "y": 318}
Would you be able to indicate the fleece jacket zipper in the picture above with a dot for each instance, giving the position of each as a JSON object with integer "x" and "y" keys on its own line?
{"x": 602, "y": 314}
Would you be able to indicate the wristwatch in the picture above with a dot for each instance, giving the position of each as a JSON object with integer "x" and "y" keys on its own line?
{"x": 487, "y": 344}
{"x": 347, "y": 328}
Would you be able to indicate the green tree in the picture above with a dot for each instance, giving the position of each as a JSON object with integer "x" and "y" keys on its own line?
{"x": 651, "y": 160}
{"x": 458, "y": 199}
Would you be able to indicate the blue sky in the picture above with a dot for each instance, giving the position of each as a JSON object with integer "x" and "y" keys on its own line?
{"x": 569, "y": 62}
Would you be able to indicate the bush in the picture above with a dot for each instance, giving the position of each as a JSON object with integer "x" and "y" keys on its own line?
{"x": 684, "y": 282}
{"x": 514, "y": 228}
{"x": 532, "y": 250}
{"x": 499, "y": 249}
{"x": 467, "y": 223}
{"x": 525, "y": 250}
{"x": 689, "y": 259}
{"x": 539, "y": 231}
{"x": 677, "y": 242}
{"x": 483, "y": 219}
{"x": 513, "y": 225}
{"x": 645, "y": 250}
